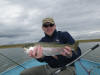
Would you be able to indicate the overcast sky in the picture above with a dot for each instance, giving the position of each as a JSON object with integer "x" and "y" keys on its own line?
{"x": 20, "y": 20}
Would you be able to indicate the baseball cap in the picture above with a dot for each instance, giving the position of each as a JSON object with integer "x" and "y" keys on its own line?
{"x": 50, "y": 20}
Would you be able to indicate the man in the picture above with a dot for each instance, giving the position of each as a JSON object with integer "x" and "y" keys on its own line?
{"x": 54, "y": 62}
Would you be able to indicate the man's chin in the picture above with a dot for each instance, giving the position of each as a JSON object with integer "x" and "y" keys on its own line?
{"x": 50, "y": 34}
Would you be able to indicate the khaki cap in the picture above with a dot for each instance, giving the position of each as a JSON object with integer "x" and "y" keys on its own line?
{"x": 50, "y": 20}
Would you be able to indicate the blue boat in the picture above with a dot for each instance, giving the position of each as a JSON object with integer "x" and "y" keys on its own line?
{"x": 87, "y": 67}
{"x": 82, "y": 67}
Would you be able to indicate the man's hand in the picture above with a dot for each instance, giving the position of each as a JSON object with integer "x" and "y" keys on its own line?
{"x": 67, "y": 51}
{"x": 37, "y": 52}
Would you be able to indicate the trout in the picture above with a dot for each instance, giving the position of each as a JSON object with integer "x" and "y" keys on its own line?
{"x": 49, "y": 49}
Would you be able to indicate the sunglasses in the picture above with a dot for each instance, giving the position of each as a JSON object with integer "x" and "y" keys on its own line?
{"x": 48, "y": 25}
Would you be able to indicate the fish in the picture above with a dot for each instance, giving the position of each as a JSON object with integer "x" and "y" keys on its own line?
{"x": 49, "y": 49}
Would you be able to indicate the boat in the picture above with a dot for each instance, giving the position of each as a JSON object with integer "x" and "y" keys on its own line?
{"x": 87, "y": 67}
{"x": 82, "y": 67}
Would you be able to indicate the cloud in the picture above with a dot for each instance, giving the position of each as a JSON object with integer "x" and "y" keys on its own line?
{"x": 9, "y": 12}
{"x": 20, "y": 20}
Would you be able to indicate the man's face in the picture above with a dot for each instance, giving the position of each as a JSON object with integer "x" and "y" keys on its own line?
{"x": 49, "y": 29}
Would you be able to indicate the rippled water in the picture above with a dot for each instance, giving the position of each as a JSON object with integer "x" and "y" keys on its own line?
{"x": 18, "y": 55}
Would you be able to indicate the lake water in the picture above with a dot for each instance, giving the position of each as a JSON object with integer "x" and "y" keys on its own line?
{"x": 18, "y": 55}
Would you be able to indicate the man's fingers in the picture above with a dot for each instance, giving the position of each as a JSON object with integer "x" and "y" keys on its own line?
{"x": 64, "y": 54}
{"x": 39, "y": 52}
{"x": 33, "y": 53}
{"x": 30, "y": 53}
{"x": 68, "y": 48}
{"x": 66, "y": 51}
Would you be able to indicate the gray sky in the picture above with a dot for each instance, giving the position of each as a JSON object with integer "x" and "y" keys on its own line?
{"x": 20, "y": 20}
